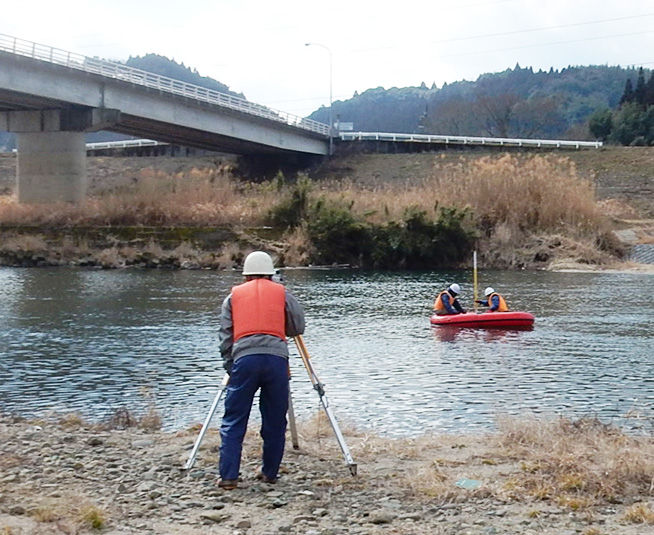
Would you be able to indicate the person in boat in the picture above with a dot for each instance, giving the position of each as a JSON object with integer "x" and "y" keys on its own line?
{"x": 494, "y": 301}
{"x": 447, "y": 303}
{"x": 255, "y": 319}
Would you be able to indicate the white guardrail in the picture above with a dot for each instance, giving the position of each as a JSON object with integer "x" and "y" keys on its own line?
{"x": 468, "y": 140}
{"x": 123, "y": 144}
{"x": 147, "y": 79}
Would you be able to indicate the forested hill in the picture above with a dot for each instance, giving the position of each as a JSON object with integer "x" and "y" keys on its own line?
{"x": 163, "y": 66}
{"x": 515, "y": 103}
{"x": 167, "y": 67}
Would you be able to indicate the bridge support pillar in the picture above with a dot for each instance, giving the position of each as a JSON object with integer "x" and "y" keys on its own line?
{"x": 51, "y": 167}
{"x": 52, "y": 150}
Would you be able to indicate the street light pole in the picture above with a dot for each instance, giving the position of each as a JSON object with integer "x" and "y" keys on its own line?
{"x": 331, "y": 113}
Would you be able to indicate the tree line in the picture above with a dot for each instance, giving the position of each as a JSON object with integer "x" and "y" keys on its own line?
{"x": 632, "y": 122}
{"x": 518, "y": 102}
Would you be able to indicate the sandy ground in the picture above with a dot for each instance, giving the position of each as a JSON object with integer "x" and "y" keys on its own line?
{"x": 59, "y": 477}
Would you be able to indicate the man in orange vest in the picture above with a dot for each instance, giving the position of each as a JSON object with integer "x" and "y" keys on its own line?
{"x": 256, "y": 317}
{"x": 446, "y": 302}
{"x": 494, "y": 301}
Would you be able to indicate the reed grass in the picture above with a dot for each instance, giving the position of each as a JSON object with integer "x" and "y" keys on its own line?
{"x": 531, "y": 193}
{"x": 519, "y": 205}
{"x": 539, "y": 192}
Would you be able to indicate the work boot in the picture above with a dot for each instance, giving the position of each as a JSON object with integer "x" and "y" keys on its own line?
{"x": 263, "y": 477}
{"x": 228, "y": 484}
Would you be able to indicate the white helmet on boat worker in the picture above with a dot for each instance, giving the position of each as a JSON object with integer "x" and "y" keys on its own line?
{"x": 258, "y": 263}
{"x": 454, "y": 288}
{"x": 488, "y": 291}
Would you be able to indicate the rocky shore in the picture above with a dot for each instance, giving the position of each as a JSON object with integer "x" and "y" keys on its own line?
{"x": 65, "y": 476}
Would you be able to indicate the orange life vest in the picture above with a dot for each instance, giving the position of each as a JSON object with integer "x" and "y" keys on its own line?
{"x": 438, "y": 304}
{"x": 258, "y": 307}
{"x": 503, "y": 306}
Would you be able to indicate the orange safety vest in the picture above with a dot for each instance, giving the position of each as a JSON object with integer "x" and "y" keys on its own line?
{"x": 503, "y": 306}
{"x": 259, "y": 307}
{"x": 438, "y": 304}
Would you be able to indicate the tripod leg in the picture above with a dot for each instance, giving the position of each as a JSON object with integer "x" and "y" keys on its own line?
{"x": 291, "y": 421}
{"x": 205, "y": 425}
{"x": 318, "y": 387}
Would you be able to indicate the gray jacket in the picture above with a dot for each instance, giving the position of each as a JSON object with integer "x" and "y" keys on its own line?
{"x": 257, "y": 343}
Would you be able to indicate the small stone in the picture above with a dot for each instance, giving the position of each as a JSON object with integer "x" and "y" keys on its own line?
{"x": 214, "y": 516}
{"x": 143, "y": 443}
{"x": 380, "y": 517}
{"x": 95, "y": 441}
{"x": 244, "y": 524}
{"x": 410, "y": 516}
{"x": 17, "y": 510}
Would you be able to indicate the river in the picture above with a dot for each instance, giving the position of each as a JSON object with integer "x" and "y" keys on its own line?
{"x": 93, "y": 341}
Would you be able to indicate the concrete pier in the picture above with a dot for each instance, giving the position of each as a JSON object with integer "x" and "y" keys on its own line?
{"x": 52, "y": 150}
{"x": 51, "y": 167}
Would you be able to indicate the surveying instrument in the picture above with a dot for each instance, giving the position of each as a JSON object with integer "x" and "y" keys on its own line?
{"x": 324, "y": 402}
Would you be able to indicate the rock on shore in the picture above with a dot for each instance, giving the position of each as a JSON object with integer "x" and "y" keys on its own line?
{"x": 63, "y": 476}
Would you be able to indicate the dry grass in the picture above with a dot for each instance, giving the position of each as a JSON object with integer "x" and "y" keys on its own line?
{"x": 537, "y": 192}
{"x": 196, "y": 197}
{"x": 640, "y": 513}
{"x": 73, "y": 513}
{"x": 573, "y": 464}
{"x": 528, "y": 209}
{"x": 576, "y": 463}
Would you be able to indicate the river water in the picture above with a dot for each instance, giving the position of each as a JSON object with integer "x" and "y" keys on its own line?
{"x": 93, "y": 341}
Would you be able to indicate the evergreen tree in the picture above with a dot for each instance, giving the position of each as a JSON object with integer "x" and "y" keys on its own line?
{"x": 649, "y": 91}
{"x": 639, "y": 92}
{"x": 628, "y": 94}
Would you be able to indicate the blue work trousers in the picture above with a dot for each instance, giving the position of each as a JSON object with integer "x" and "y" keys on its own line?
{"x": 249, "y": 374}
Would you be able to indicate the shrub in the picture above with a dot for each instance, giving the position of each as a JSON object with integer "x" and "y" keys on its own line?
{"x": 294, "y": 207}
{"x": 417, "y": 242}
{"x": 337, "y": 236}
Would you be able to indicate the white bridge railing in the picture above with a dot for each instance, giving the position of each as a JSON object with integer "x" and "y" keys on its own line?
{"x": 147, "y": 79}
{"x": 468, "y": 140}
{"x": 123, "y": 144}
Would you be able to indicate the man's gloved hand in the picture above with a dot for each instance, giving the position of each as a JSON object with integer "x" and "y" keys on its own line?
{"x": 478, "y": 301}
{"x": 228, "y": 364}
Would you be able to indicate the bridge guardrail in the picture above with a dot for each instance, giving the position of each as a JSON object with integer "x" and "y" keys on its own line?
{"x": 117, "y": 71}
{"x": 468, "y": 140}
{"x": 123, "y": 144}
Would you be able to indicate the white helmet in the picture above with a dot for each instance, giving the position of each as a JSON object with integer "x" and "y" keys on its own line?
{"x": 488, "y": 291}
{"x": 455, "y": 288}
{"x": 258, "y": 263}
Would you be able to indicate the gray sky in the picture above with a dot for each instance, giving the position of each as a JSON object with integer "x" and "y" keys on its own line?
{"x": 257, "y": 47}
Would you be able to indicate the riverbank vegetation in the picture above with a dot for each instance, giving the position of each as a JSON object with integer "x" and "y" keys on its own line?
{"x": 518, "y": 211}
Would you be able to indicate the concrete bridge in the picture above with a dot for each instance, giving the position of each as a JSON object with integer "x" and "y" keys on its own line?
{"x": 50, "y": 98}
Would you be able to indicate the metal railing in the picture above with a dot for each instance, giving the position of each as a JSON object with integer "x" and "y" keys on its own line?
{"x": 117, "y": 71}
{"x": 468, "y": 140}
{"x": 123, "y": 144}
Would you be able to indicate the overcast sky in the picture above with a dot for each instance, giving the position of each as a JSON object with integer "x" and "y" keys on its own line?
{"x": 257, "y": 47}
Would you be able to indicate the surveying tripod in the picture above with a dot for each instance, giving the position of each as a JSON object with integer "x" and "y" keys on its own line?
{"x": 317, "y": 386}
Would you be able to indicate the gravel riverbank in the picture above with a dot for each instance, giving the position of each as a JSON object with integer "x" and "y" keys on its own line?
{"x": 64, "y": 476}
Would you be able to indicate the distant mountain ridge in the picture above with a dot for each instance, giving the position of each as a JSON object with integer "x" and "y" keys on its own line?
{"x": 163, "y": 66}
{"x": 515, "y": 103}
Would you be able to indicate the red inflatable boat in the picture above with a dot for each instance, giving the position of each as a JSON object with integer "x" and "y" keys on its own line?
{"x": 503, "y": 320}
